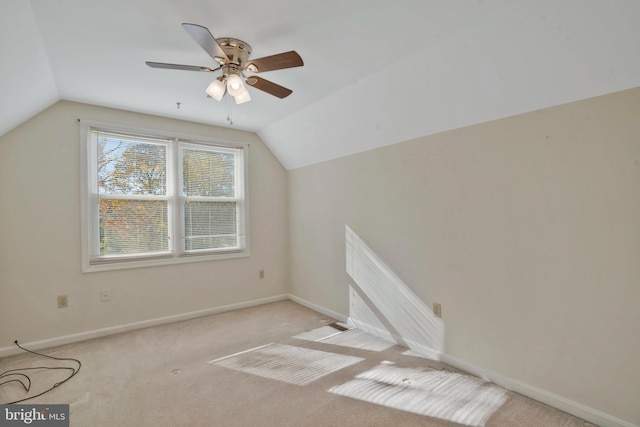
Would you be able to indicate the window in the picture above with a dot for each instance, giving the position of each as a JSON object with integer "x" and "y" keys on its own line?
{"x": 158, "y": 199}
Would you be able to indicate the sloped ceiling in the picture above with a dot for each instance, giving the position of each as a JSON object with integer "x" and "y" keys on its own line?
{"x": 375, "y": 73}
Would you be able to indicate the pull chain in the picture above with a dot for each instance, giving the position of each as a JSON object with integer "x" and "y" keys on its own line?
{"x": 229, "y": 112}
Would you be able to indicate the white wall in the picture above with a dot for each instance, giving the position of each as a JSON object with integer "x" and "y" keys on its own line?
{"x": 40, "y": 254}
{"x": 525, "y": 229}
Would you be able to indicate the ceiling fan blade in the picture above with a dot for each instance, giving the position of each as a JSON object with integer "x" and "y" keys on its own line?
{"x": 275, "y": 62}
{"x": 205, "y": 39}
{"x": 180, "y": 67}
{"x": 269, "y": 87}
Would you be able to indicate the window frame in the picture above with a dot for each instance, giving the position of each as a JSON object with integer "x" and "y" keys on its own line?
{"x": 175, "y": 199}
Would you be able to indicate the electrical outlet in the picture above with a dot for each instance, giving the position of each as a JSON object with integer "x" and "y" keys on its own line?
{"x": 437, "y": 309}
{"x": 261, "y": 274}
{"x": 105, "y": 295}
{"x": 63, "y": 302}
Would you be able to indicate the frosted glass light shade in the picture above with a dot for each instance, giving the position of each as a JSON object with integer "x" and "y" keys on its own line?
{"x": 235, "y": 85}
{"x": 243, "y": 97}
{"x": 216, "y": 90}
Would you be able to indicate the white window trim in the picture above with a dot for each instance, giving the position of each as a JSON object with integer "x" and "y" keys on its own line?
{"x": 174, "y": 256}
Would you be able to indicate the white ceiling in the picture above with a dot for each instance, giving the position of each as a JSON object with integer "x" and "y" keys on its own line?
{"x": 375, "y": 73}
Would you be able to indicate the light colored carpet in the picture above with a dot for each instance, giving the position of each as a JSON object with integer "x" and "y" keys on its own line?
{"x": 267, "y": 366}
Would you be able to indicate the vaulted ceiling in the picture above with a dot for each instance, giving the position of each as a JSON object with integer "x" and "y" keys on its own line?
{"x": 375, "y": 73}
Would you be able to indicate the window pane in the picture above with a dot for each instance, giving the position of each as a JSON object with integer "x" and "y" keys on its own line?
{"x": 133, "y": 227}
{"x": 210, "y": 225}
{"x": 128, "y": 167}
{"x": 208, "y": 173}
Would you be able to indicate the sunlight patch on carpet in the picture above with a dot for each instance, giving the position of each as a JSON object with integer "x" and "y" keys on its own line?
{"x": 318, "y": 334}
{"x": 355, "y": 338}
{"x": 352, "y": 338}
{"x": 293, "y": 365}
{"x": 439, "y": 394}
{"x": 414, "y": 354}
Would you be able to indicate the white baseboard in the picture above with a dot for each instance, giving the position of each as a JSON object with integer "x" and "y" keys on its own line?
{"x": 96, "y": 333}
{"x": 315, "y": 307}
{"x": 574, "y": 408}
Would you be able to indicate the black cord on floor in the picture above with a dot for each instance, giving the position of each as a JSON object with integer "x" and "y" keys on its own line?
{"x": 23, "y": 377}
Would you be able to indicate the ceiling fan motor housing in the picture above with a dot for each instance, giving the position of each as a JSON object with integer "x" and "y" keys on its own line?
{"x": 237, "y": 51}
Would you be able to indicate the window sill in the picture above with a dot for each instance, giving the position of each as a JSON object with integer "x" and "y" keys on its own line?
{"x": 88, "y": 267}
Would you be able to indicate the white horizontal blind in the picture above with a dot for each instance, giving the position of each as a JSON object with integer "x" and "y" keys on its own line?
{"x": 212, "y": 193}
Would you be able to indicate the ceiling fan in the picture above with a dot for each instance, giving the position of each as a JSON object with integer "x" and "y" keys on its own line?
{"x": 232, "y": 55}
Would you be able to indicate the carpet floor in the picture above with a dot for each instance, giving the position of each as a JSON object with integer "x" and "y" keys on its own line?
{"x": 277, "y": 364}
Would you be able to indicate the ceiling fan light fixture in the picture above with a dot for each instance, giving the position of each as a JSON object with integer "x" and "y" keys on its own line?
{"x": 216, "y": 89}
